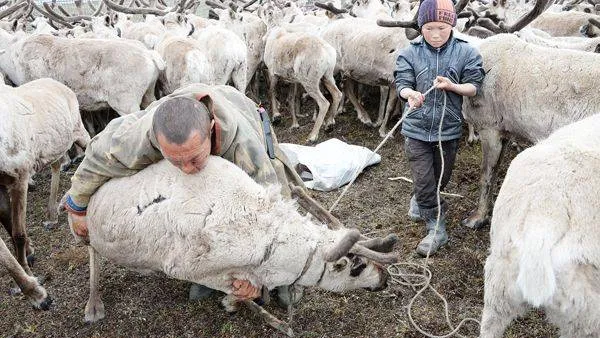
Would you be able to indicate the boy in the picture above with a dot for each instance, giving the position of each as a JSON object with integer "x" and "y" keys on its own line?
{"x": 455, "y": 68}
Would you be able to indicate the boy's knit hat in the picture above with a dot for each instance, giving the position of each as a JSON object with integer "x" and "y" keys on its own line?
{"x": 436, "y": 11}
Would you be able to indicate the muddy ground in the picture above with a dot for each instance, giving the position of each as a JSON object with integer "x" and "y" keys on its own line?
{"x": 156, "y": 306}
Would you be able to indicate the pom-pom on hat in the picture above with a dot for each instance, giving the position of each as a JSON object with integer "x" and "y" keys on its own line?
{"x": 436, "y": 11}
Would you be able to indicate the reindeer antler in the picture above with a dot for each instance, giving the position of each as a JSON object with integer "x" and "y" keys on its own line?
{"x": 12, "y": 9}
{"x": 330, "y": 7}
{"x": 129, "y": 10}
{"x": 50, "y": 16}
{"x": 67, "y": 18}
{"x": 487, "y": 23}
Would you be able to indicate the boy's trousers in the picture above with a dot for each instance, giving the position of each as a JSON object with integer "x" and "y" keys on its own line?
{"x": 426, "y": 166}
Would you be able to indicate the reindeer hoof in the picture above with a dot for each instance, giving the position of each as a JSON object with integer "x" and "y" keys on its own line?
{"x": 94, "y": 312}
{"x": 310, "y": 142}
{"x": 45, "y": 304}
{"x": 475, "y": 222}
{"x": 31, "y": 260}
{"x": 383, "y": 133}
{"x": 295, "y": 126}
{"x": 276, "y": 119}
{"x": 230, "y": 304}
{"x": 65, "y": 167}
{"x": 50, "y": 225}
{"x": 14, "y": 291}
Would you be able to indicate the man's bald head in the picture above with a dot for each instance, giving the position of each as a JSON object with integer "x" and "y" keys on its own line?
{"x": 177, "y": 118}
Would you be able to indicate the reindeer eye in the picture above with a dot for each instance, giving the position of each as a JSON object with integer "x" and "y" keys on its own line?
{"x": 357, "y": 267}
{"x": 340, "y": 264}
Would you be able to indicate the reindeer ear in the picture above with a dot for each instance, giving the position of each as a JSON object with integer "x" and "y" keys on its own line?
{"x": 341, "y": 248}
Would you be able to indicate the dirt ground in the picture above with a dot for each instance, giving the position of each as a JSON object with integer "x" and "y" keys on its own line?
{"x": 156, "y": 306}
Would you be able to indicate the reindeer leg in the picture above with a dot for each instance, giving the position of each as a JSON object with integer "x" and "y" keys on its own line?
{"x": 502, "y": 299}
{"x": 313, "y": 90}
{"x": 314, "y": 208}
{"x": 5, "y": 210}
{"x": 336, "y": 98}
{"x": 29, "y": 285}
{"x": 293, "y": 99}
{"x": 392, "y": 100}
{"x": 94, "y": 309}
{"x": 51, "y": 211}
{"x": 276, "y": 117}
{"x": 493, "y": 147}
{"x": 350, "y": 91}
{"x": 18, "y": 198}
{"x": 383, "y": 100}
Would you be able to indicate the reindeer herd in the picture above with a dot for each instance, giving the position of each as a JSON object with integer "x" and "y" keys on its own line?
{"x": 62, "y": 69}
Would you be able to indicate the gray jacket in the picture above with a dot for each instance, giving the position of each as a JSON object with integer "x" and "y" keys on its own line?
{"x": 416, "y": 68}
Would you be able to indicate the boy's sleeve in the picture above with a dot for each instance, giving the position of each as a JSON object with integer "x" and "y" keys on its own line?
{"x": 404, "y": 74}
{"x": 473, "y": 72}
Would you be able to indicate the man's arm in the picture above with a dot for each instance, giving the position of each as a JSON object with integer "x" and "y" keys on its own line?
{"x": 123, "y": 148}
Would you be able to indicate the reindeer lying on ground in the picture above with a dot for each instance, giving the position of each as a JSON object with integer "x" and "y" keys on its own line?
{"x": 218, "y": 225}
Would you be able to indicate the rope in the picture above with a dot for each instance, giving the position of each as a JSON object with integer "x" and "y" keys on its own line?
{"x": 359, "y": 169}
{"x": 415, "y": 280}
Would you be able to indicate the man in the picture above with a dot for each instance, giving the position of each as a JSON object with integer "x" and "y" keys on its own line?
{"x": 185, "y": 128}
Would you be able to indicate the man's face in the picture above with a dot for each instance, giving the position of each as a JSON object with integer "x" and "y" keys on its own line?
{"x": 191, "y": 156}
{"x": 436, "y": 33}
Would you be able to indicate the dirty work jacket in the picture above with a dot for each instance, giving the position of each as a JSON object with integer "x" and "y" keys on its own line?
{"x": 128, "y": 144}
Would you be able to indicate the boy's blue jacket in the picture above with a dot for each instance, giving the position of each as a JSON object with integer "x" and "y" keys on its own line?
{"x": 416, "y": 68}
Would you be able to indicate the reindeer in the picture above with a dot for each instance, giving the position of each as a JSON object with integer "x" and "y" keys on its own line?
{"x": 304, "y": 59}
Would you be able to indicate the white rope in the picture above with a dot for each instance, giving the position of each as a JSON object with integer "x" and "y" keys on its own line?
{"x": 414, "y": 280}
{"x": 359, "y": 169}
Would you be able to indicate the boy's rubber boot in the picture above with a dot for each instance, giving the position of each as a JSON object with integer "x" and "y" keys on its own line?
{"x": 413, "y": 210}
{"x": 434, "y": 239}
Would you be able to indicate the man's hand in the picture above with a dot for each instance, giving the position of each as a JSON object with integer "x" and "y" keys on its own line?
{"x": 244, "y": 290}
{"x": 78, "y": 224}
{"x": 443, "y": 83}
{"x": 415, "y": 99}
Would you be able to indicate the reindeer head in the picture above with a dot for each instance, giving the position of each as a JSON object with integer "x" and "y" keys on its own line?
{"x": 591, "y": 29}
{"x": 350, "y": 264}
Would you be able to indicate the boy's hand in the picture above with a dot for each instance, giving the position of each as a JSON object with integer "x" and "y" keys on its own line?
{"x": 443, "y": 83}
{"x": 415, "y": 99}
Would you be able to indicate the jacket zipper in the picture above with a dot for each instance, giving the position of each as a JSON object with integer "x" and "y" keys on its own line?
{"x": 437, "y": 70}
